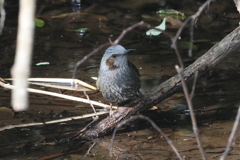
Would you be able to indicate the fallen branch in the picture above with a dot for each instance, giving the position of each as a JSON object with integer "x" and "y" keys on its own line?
{"x": 202, "y": 65}
{"x": 52, "y": 122}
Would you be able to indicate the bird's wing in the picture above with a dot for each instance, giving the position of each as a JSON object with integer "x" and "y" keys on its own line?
{"x": 137, "y": 75}
{"x": 134, "y": 68}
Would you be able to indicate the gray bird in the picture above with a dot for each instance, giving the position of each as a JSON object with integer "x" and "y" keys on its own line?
{"x": 118, "y": 79}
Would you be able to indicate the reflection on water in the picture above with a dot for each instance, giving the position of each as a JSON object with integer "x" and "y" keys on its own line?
{"x": 216, "y": 98}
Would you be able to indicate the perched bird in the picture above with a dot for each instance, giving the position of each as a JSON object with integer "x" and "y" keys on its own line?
{"x": 118, "y": 79}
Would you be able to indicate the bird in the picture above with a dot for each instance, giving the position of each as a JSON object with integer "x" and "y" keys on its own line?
{"x": 118, "y": 79}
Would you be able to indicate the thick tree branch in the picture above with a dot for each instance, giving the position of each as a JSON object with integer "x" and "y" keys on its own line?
{"x": 203, "y": 64}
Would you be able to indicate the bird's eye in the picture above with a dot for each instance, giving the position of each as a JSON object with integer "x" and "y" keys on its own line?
{"x": 114, "y": 55}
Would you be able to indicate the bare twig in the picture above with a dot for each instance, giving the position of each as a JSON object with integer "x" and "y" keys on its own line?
{"x": 90, "y": 103}
{"x": 21, "y": 68}
{"x": 194, "y": 85}
{"x": 125, "y": 31}
{"x": 180, "y": 72}
{"x": 154, "y": 126}
{"x": 230, "y": 139}
{"x": 88, "y": 151}
{"x": 191, "y": 38}
{"x": 192, "y": 18}
{"x": 51, "y": 122}
{"x": 78, "y": 99}
{"x": 190, "y": 106}
{"x": 87, "y": 56}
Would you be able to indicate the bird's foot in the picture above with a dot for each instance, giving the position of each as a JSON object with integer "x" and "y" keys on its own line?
{"x": 111, "y": 112}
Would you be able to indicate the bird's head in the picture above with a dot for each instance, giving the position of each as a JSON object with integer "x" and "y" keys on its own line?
{"x": 115, "y": 57}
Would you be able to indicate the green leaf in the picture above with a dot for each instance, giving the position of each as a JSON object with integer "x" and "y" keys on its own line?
{"x": 82, "y": 30}
{"x": 39, "y": 22}
{"x": 154, "y": 32}
{"x": 171, "y": 12}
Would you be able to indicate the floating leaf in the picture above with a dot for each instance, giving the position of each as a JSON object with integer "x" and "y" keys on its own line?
{"x": 42, "y": 63}
{"x": 39, "y": 22}
{"x": 173, "y": 13}
{"x": 169, "y": 11}
{"x": 154, "y": 32}
{"x": 82, "y": 30}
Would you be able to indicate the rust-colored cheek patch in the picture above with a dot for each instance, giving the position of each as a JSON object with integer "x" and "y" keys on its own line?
{"x": 110, "y": 63}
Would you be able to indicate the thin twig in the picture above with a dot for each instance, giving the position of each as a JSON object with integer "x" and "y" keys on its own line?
{"x": 51, "y": 122}
{"x": 82, "y": 131}
{"x": 178, "y": 55}
{"x": 194, "y": 85}
{"x": 90, "y": 103}
{"x": 125, "y": 31}
{"x": 230, "y": 139}
{"x": 191, "y": 38}
{"x": 193, "y": 17}
{"x": 78, "y": 99}
{"x": 88, "y": 151}
{"x": 86, "y": 127}
{"x": 180, "y": 72}
{"x": 86, "y": 57}
{"x": 154, "y": 126}
{"x": 190, "y": 106}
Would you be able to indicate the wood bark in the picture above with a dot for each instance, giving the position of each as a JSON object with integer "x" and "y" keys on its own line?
{"x": 159, "y": 93}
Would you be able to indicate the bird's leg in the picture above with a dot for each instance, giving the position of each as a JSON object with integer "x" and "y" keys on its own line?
{"x": 111, "y": 111}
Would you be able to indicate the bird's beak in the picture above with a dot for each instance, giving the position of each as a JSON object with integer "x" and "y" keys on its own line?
{"x": 129, "y": 50}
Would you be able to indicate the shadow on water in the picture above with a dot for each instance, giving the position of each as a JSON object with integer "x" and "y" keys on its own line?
{"x": 215, "y": 102}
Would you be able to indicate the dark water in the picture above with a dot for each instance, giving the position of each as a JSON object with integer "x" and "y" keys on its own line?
{"x": 216, "y": 99}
